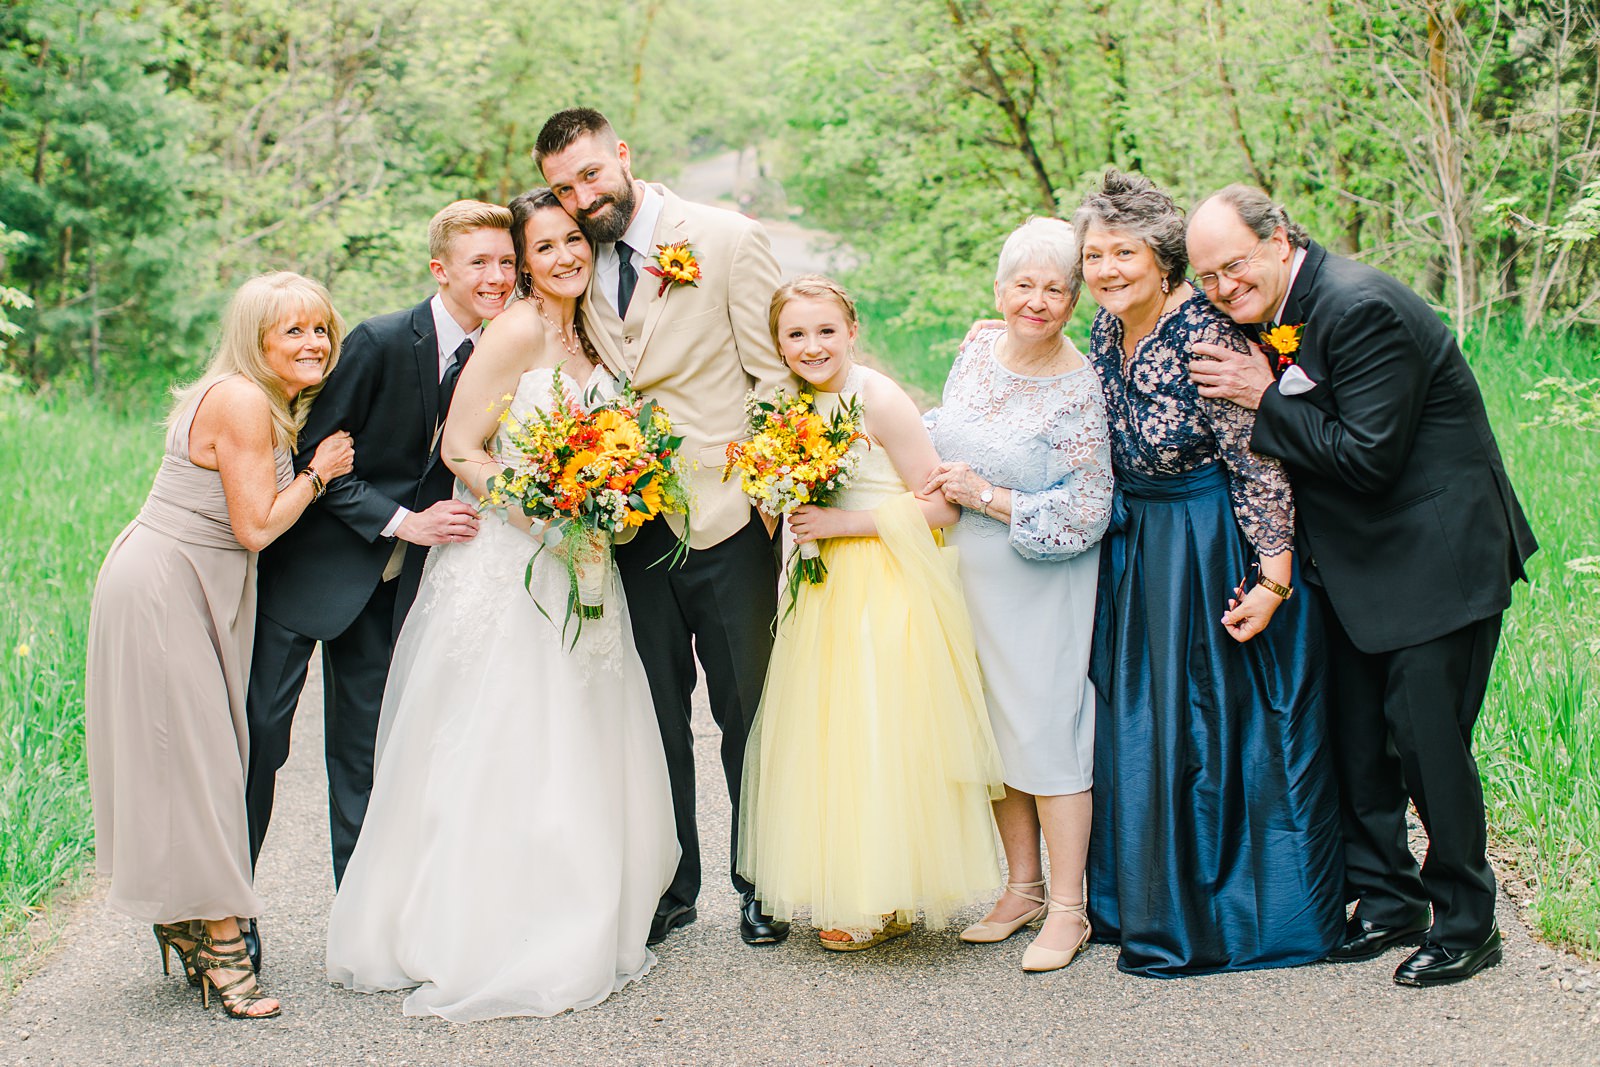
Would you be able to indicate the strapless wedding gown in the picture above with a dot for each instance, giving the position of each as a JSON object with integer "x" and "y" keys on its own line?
{"x": 520, "y": 829}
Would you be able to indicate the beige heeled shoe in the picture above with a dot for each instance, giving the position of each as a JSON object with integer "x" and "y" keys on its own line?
{"x": 1039, "y": 958}
{"x": 990, "y": 931}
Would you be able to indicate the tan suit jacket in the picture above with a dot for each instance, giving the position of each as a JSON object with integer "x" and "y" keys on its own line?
{"x": 697, "y": 350}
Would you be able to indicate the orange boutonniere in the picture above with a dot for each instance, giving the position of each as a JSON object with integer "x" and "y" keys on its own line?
{"x": 675, "y": 265}
{"x": 1284, "y": 340}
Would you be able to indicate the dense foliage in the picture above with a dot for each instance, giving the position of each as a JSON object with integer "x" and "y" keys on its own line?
{"x": 155, "y": 152}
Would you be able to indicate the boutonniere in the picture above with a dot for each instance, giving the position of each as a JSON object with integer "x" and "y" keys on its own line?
{"x": 675, "y": 265}
{"x": 1284, "y": 340}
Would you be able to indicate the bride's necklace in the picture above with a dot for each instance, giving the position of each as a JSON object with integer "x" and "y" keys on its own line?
{"x": 573, "y": 349}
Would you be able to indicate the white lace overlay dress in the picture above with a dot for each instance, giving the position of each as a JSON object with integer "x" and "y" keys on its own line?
{"x": 1030, "y": 586}
{"x": 520, "y": 830}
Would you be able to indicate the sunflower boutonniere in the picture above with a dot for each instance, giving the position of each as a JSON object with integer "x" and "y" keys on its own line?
{"x": 1285, "y": 341}
{"x": 675, "y": 265}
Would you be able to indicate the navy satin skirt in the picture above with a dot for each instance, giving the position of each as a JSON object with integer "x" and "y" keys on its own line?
{"x": 1215, "y": 844}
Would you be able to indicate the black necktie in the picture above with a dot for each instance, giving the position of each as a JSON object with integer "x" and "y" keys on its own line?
{"x": 447, "y": 384}
{"x": 627, "y": 278}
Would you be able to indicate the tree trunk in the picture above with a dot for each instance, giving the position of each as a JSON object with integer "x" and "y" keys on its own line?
{"x": 1015, "y": 114}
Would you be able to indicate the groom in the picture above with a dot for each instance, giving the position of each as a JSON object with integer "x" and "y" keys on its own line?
{"x": 347, "y": 572}
{"x": 1406, "y": 518}
{"x": 696, "y": 348}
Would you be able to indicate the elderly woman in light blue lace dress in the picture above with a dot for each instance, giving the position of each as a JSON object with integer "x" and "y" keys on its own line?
{"x": 1022, "y": 433}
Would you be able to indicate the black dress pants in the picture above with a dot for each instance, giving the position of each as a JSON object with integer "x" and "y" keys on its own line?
{"x": 355, "y": 666}
{"x": 718, "y": 605}
{"x": 1403, "y": 730}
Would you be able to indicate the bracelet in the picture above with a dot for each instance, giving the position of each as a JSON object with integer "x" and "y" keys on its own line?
{"x": 318, "y": 487}
{"x": 1285, "y": 591}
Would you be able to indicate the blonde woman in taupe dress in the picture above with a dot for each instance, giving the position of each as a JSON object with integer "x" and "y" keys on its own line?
{"x": 171, "y": 627}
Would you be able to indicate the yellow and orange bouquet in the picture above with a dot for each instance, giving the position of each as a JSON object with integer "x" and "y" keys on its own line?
{"x": 796, "y": 456}
{"x": 587, "y": 475}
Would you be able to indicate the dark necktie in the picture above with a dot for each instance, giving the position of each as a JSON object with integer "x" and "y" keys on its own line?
{"x": 627, "y": 278}
{"x": 447, "y": 384}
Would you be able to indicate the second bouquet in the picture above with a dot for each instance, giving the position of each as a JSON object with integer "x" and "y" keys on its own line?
{"x": 796, "y": 456}
{"x": 588, "y": 472}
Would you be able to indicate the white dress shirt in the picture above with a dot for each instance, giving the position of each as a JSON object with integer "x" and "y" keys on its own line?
{"x": 1294, "y": 272}
{"x": 449, "y": 334}
{"x": 640, "y": 237}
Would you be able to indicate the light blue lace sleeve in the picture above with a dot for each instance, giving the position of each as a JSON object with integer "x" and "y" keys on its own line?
{"x": 1072, "y": 514}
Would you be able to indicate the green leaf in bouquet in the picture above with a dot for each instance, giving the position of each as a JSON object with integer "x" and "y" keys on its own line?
{"x": 553, "y": 533}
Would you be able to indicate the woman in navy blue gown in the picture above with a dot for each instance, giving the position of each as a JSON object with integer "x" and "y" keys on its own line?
{"x": 1215, "y": 842}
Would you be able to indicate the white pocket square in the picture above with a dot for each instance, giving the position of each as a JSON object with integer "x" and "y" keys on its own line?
{"x": 1295, "y": 381}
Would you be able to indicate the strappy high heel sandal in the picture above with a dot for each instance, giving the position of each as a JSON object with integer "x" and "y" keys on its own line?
{"x": 170, "y": 938}
{"x": 1039, "y": 958}
{"x": 236, "y": 994}
{"x": 990, "y": 931}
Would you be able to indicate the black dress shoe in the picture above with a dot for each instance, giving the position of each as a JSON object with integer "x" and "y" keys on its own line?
{"x": 252, "y": 944}
{"x": 669, "y": 916}
{"x": 1436, "y": 965}
{"x": 1364, "y": 940}
{"x": 756, "y": 927}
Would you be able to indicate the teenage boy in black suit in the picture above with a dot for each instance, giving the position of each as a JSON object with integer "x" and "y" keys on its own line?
{"x": 1406, "y": 518}
{"x": 346, "y": 573}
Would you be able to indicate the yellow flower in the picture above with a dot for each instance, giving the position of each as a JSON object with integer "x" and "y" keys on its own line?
{"x": 678, "y": 263}
{"x": 651, "y": 495}
{"x": 23, "y": 651}
{"x": 618, "y": 433}
{"x": 1283, "y": 340}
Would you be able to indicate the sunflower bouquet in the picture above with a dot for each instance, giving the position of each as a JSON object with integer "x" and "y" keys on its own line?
{"x": 795, "y": 456}
{"x": 589, "y": 474}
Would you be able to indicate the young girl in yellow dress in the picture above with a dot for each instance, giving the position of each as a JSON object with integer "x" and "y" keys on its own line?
{"x": 871, "y": 765}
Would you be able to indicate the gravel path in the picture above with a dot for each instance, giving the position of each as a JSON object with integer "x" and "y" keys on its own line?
{"x": 101, "y": 999}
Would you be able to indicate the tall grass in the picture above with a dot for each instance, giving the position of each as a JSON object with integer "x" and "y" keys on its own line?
{"x": 1538, "y": 740}
{"x": 71, "y": 475}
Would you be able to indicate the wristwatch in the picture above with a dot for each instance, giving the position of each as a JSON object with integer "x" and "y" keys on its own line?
{"x": 987, "y": 497}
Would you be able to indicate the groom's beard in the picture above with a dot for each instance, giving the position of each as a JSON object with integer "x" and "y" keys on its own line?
{"x": 607, "y": 219}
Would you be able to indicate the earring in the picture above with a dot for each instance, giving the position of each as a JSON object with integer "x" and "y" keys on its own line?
{"x": 1166, "y": 286}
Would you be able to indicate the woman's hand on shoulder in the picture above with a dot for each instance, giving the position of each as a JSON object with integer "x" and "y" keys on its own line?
{"x": 979, "y": 327}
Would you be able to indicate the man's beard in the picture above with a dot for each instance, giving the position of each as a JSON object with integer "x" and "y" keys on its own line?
{"x": 609, "y": 229}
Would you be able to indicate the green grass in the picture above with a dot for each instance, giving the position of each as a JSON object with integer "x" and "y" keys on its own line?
{"x": 71, "y": 476}
{"x": 1538, "y": 740}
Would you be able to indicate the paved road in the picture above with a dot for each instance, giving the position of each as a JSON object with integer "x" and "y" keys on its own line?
{"x": 926, "y": 999}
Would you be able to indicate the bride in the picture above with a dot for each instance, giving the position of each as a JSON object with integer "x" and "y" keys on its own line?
{"x": 520, "y": 829}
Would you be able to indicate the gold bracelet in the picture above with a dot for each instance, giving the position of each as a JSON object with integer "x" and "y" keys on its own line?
{"x": 1285, "y": 591}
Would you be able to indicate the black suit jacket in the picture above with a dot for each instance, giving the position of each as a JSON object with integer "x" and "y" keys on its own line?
{"x": 385, "y": 390}
{"x": 1403, "y": 509}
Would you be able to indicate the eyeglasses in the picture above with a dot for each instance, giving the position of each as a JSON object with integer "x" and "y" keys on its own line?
{"x": 1232, "y": 271}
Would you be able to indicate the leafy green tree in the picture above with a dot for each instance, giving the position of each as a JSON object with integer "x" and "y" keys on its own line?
{"x": 95, "y": 170}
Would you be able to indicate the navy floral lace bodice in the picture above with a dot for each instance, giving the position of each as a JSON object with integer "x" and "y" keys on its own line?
{"x": 1161, "y": 425}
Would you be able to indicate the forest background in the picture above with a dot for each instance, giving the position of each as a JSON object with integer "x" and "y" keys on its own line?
{"x": 154, "y": 154}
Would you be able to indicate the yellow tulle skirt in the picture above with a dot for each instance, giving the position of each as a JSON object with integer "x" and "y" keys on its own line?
{"x": 871, "y": 765}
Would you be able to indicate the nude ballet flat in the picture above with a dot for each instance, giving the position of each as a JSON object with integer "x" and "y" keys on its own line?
{"x": 990, "y": 931}
{"x": 1039, "y": 958}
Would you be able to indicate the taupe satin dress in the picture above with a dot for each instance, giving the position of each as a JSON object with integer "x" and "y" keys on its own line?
{"x": 170, "y": 633}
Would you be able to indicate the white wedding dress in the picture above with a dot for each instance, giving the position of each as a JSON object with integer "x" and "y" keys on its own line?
{"x": 520, "y": 829}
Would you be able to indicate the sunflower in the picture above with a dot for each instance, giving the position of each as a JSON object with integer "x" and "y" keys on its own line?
{"x": 1284, "y": 340}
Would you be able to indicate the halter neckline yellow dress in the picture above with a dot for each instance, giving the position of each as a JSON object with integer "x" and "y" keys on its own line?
{"x": 871, "y": 764}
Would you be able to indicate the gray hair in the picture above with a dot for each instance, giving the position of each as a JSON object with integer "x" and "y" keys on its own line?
{"x": 1040, "y": 242}
{"x": 1131, "y": 204}
{"x": 1259, "y": 214}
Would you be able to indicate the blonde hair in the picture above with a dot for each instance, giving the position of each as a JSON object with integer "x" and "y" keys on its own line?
{"x": 257, "y": 306}
{"x": 809, "y": 287}
{"x": 461, "y": 217}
